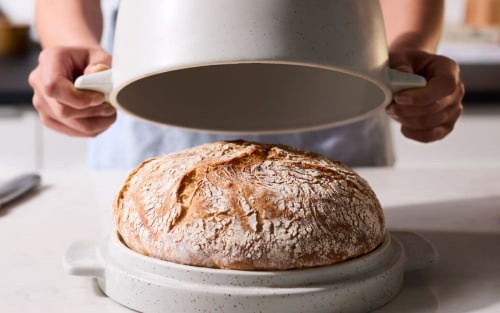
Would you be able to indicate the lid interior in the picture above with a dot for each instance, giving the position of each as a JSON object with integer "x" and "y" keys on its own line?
{"x": 252, "y": 97}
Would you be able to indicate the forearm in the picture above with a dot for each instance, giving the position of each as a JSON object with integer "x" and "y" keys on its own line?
{"x": 68, "y": 22}
{"x": 413, "y": 23}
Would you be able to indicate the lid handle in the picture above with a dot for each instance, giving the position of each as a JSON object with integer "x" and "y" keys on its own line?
{"x": 399, "y": 80}
{"x": 98, "y": 81}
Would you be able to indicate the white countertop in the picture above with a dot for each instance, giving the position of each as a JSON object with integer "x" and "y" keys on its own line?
{"x": 458, "y": 210}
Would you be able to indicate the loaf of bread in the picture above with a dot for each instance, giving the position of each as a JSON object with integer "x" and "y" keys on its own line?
{"x": 248, "y": 206}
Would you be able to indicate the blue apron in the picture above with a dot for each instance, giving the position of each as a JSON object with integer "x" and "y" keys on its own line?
{"x": 129, "y": 141}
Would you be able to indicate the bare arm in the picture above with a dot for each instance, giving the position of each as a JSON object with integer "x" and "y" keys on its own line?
{"x": 69, "y": 22}
{"x": 415, "y": 24}
{"x": 413, "y": 30}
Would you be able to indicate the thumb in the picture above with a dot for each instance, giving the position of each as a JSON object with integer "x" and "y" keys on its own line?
{"x": 404, "y": 68}
{"x": 92, "y": 68}
{"x": 400, "y": 61}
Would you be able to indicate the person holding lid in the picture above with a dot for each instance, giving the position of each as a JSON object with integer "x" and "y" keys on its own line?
{"x": 76, "y": 38}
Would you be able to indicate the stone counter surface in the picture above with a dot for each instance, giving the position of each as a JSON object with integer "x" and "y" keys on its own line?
{"x": 456, "y": 209}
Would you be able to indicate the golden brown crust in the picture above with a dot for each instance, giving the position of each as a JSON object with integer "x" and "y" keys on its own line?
{"x": 243, "y": 205}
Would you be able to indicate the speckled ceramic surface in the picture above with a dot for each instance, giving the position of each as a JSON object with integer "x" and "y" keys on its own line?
{"x": 260, "y": 66}
{"x": 150, "y": 285}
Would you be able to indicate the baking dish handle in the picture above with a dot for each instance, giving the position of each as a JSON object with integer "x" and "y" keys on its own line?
{"x": 419, "y": 252}
{"x": 81, "y": 259}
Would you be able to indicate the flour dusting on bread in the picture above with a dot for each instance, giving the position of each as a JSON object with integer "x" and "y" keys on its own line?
{"x": 250, "y": 206}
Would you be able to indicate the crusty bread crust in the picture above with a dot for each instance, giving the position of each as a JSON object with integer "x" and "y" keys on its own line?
{"x": 251, "y": 206}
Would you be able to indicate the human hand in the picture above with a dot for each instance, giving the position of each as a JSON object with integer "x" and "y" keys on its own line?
{"x": 427, "y": 114}
{"x": 60, "y": 105}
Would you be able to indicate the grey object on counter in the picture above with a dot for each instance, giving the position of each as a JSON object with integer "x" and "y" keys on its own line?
{"x": 18, "y": 187}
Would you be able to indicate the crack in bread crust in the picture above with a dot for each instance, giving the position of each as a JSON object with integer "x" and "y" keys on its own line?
{"x": 246, "y": 205}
